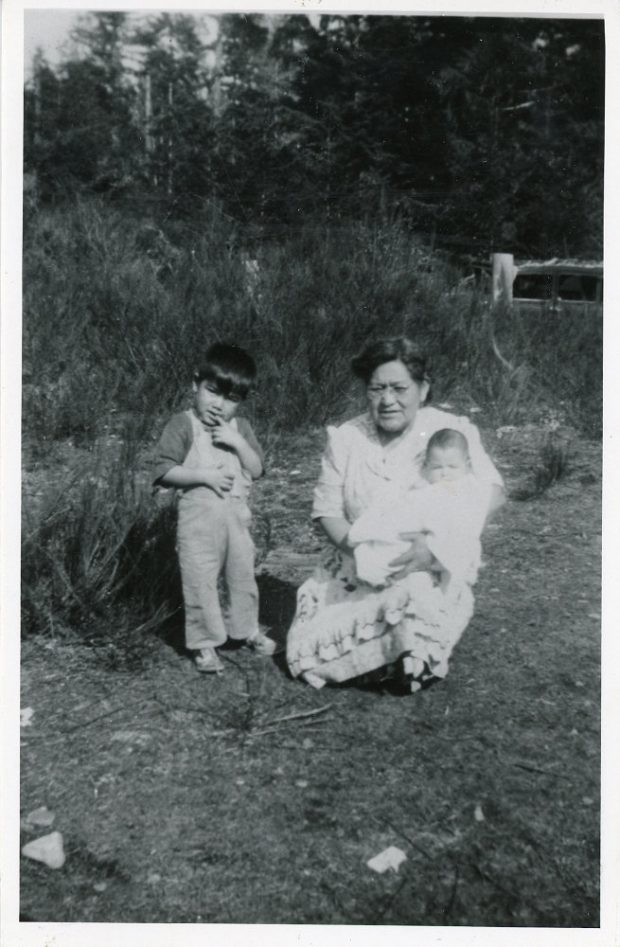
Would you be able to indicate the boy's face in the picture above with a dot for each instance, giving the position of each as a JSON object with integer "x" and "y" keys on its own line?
{"x": 445, "y": 463}
{"x": 211, "y": 405}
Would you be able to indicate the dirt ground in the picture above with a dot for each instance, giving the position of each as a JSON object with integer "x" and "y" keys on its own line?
{"x": 254, "y": 799}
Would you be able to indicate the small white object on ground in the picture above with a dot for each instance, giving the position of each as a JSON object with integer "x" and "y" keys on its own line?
{"x": 47, "y": 849}
{"x": 25, "y": 717}
{"x": 313, "y": 679}
{"x": 130, "y": 736}
{"x": 389, "y": 859}
{"x": 41, "y": 816}
{"x": 478, "y": 813}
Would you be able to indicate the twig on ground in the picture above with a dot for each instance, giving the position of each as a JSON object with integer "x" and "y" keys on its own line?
{"x": 267, "y": 730}
{"x": 390, "y": 901}
{"x": 455, "y": 884}
{"x": 513, "y": 897}
{"x": 537, "y": 769}
{"x": 406, "y": 837}
{"x": 87, "y": 723}
{"x": 303, "y": 713}
{"x": 270, "y": 727}
{"x": 115, "y": 710}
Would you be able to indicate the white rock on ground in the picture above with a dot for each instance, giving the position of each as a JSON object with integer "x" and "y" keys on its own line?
{"x": 390, "y": 858}
{"x": 47, "y": 849}
{"x": 41, "y": 816}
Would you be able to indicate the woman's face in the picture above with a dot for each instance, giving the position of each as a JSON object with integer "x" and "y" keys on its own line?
{"x": 394, "y": 398}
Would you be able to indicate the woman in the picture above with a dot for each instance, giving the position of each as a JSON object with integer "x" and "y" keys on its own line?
{"x": 341, "y": 629}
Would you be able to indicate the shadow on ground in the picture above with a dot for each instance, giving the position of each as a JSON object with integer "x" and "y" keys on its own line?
{"x": 277, "y": 606}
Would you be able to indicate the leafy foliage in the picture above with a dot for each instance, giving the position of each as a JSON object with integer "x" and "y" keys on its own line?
{"x": 111, "y": 341}
{"x": 471, "y": 129}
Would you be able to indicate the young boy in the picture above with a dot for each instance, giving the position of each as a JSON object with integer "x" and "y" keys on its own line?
{"x": 211, "y": 457}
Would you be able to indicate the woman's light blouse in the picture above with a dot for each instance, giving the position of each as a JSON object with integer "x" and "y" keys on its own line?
{"x": 356, "y": 469}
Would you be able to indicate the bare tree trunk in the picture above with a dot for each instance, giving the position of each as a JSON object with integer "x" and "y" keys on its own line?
{"x": 148, "y": 127}
{"x": 169, "y": 174}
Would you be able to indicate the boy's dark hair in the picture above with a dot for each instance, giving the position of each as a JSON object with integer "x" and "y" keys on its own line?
{"x": 229, "y": 367}
{"x": 448, "y": 437}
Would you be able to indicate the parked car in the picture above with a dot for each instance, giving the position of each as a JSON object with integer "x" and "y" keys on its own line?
{"x": 549, "y": 285}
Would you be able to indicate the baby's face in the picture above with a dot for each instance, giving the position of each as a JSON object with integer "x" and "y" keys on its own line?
{"x": 445, "y": 463}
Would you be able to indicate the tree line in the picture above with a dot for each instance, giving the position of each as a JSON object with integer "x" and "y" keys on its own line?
{"x": 486, "y": 133}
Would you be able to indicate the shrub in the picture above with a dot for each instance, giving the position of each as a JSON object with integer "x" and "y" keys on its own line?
{"x": 98, "y": 554}
{"x": 554, "y": 463}
{"x": 117, "y": 311}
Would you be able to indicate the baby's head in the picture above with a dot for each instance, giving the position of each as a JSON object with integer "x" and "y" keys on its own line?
{"x": 447, "y": 456}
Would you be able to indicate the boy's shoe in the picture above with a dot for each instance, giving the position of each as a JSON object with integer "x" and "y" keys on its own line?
{"x": 261, "y": 644}
{"x": 207, "y": 661}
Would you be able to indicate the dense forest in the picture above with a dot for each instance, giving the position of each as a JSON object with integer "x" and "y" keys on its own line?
{"x": 479, "y": 134}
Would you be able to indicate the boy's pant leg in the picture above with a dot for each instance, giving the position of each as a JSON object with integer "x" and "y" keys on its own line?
{"x": 239, "y": 572}
{"x": 201, "y": 548}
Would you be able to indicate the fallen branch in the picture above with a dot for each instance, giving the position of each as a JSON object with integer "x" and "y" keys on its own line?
{"x": 400, "y": 832}
{"x": 303, "y": 713}
{"x": 537, "y": 769}
{"x": 62, "y": 732}
{"x": 266, "y": 730}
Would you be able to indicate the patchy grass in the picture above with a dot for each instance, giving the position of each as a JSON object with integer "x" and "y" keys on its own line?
{"x": 252, "y": 798}
{"x": 554, "y": 462}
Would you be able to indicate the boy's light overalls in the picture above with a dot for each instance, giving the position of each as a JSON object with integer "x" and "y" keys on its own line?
{"x": 213, "y": 537}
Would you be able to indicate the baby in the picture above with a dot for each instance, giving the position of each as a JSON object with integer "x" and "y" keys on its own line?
{"x": 450, "y": 509}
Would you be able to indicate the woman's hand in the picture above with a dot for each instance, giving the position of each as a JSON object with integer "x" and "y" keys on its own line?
{"x": 418, "y": 558}
{"x": 496, "y": 500}
{"x": 336, "y": 528}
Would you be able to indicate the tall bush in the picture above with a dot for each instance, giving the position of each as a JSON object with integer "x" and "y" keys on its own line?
{"x": 118, "y": 312}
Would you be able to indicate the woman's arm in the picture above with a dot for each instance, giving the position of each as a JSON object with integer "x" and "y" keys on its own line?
{"x": 336, "y": 528}
{"x": 496, "y": 500}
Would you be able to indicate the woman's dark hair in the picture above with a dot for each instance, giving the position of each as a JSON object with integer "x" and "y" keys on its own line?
{"x": 229, "y": 367}
{"x": 396, "y": 349}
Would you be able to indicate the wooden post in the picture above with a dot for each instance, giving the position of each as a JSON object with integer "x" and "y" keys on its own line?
{"x": 502, "y": 275}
